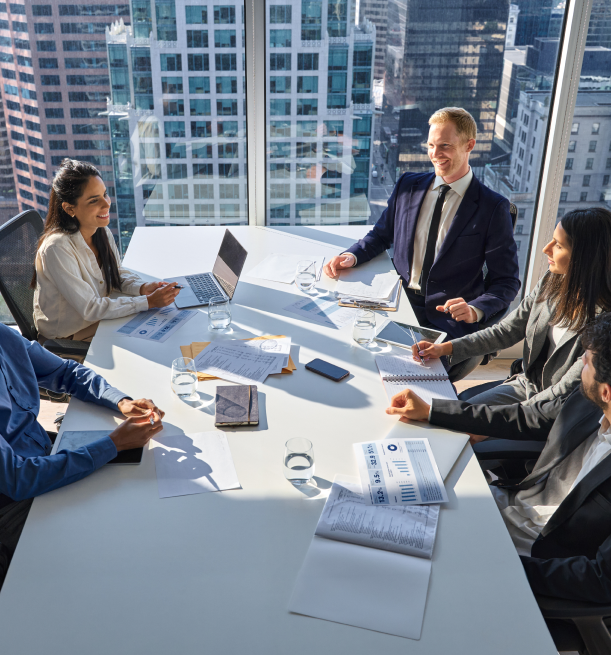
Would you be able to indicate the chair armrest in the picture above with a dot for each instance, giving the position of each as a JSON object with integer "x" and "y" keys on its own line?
{"x": 561, "y": 608}
{"x": 508, "y": 449}
{"x": 66, "y": 347}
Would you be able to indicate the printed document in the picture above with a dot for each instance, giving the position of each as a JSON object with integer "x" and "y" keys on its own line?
{"x": 278, "y": 345}
{"x": 237, "y": 363}
{"x": 193, "y": 464}
{"x": 363, "y": 283}
{"x": 282, "y": 267}
{"x": 340, "y": 573}
{"x": 156, "y": 324}
{"x": 324, "y": 312}
{"x": 399, "y": 472}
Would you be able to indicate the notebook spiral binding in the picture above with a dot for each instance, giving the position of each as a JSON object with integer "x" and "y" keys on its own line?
{"x": 433, "y": 377}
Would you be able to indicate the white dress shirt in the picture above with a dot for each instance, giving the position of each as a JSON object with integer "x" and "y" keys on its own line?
{"x": 527, "y": 512}
{"x": 554, "y": 334}
{"x": 70, "y": 289}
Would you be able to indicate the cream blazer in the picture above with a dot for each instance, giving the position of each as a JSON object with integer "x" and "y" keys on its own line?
{"x": 70, "y": 290}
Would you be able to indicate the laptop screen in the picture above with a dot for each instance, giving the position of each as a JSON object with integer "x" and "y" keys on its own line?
{"x": 229, "y": 263}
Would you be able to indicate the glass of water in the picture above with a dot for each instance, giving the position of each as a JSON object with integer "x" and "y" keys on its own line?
{"x": 364, "y": 326}
{"x": 305, "y": 276}
{"x": 298, "y": 460}
{"x": 219, "y": 314}
{"x": 184, "y": 377}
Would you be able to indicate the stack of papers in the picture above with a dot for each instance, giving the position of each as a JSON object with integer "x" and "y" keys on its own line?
{"x": 364, "y": 286}
{"x": 282, "y": 268}
{"x": 283, "y": 346}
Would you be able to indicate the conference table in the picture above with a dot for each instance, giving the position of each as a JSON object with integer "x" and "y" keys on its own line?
{"x": 106, "y": 566}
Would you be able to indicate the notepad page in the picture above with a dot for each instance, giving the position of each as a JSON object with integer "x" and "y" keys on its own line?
{"x": 405, "y": 366}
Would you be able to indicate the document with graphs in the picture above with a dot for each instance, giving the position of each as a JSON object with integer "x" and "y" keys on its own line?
{"x": 359, "y": 549}
{"x": 156, "y": 324}
{"x": 399, "y": 472}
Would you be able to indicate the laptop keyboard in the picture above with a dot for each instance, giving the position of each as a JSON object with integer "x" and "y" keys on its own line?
{"x": 203, "y": 287}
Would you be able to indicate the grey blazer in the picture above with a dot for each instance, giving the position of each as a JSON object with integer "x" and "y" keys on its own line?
{"x": 530, "y": 321}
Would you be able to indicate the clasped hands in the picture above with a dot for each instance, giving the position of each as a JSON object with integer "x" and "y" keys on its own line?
{"x": 143, "y": 421}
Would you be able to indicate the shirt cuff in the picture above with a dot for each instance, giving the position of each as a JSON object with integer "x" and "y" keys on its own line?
{"x": 102, "y": 451}
{"x": 350, "y": 253}
{"x": 141, "y": 303}
{"x": 111, "y": 397}
{"x": 479, "y": 312}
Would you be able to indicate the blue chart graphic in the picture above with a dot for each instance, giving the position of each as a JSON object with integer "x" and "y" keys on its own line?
{"x": 401, "y": 464}
{"x": 407, "y": 492}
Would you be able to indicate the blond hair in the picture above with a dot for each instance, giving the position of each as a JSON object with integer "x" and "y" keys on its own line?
{"x": 462, "y": 119}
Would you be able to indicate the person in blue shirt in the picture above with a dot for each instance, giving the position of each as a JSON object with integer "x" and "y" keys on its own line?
{"x": 27, "y": 469}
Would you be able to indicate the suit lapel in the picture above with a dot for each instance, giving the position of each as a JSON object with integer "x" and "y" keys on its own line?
{"x": 466, "y": 209}
{"x": 414, "y": 204}
{"x": 593, "y": 480}
{"x": 536, "y": 335}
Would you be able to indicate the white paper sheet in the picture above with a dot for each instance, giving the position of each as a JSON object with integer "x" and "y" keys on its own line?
{"x": 409, "y": 530}
{"x": 362, "y": 282}
{"x": 399, "y": 472}
{"x": 324, "y": 312}
{"x": 282, "y": 346}
{"x": 156, "y": 324}
{"x": 282, "y": 267}
{"x": 364, "y": 587}
{"x": 193, "y": 464}
{"x": 402, "y": 368}
{"x": 236, "y": 363}
{"x": 391, "y": 303}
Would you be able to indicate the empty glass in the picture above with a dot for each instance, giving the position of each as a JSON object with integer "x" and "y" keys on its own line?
{"x": 219, "y": 314}
{"x": 305, "y": 276}
{"x": 298, "y": 460}
{"x": 364, "y": 327}
{"x": 184, "y": 377}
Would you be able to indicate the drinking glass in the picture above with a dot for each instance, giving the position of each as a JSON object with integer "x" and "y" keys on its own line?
{"x": 219, "y": 314}
{"x": 184, "y": 377}
{"x": 305, "y": 277}
{"x": 364, "y": 327}
{"x": 298, "y": 460}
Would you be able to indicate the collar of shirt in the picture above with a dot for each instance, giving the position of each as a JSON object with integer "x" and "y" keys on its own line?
{"x": 459, "y": 186}
{"x": 604, "y": 434}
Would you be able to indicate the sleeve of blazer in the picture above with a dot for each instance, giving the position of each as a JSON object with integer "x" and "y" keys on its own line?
{"x": 575, "y": 578}
{"x": 381, "y": 237}
{"x": 501, "y": 255}
{"x": 565, "y": 385}
{"x": 507, "y": 332}
{"x": 517, "y": 422}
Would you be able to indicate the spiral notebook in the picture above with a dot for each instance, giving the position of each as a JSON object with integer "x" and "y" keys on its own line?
{"x": 429, "y": 380}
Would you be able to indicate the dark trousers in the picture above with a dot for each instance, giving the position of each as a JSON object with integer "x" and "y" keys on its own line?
{"x": 12, "y": 520}
{"x": 417, "y": 303}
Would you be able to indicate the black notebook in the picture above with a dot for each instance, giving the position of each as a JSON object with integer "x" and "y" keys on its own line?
{"x": 237, "y": 405}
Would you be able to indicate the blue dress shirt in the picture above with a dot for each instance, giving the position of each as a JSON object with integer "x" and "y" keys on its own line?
{"x": 26, "y": 468}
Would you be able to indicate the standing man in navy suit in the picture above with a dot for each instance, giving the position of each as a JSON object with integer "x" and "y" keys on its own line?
{"x": 445, "y": 226}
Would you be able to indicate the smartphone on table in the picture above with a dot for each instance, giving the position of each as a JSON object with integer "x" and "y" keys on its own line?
{"x": 327, "y": 370}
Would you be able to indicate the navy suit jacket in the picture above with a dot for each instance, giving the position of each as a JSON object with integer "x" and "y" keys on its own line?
{"x": 480, "y": 232}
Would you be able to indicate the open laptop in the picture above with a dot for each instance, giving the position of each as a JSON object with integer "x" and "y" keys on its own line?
{"x": 198, "y": 289}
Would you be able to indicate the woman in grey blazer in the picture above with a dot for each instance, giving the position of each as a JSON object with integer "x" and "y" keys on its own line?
{"x": 575, "y": 289}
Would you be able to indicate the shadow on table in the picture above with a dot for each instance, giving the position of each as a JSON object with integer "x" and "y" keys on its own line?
{"x": 180, "y": 461}
{"x": 316, "y": 488}
{"x": 316, "y": 235}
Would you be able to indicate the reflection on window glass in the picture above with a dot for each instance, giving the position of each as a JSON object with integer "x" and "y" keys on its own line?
{"x": 175, "y": 134}
{"x": 360, "y": 81}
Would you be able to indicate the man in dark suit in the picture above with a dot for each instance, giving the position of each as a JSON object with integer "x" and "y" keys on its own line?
{"x": 559, "y": 516}
{"x": 445, "y": 226}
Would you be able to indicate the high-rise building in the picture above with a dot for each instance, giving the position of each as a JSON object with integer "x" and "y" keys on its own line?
{"x": 440, "y": 55}
{"x": 320, "y": 113}
{"x": 8, "y": 197}
{"x": 54, "y": 88}
{"x": 377, "y": 12}
{"x": 533, "y": 20}
{"x": 177, "y": 115}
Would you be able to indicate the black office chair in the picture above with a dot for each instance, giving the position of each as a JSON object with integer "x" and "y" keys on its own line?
{"x": 574, "y": 625}
{"x": 18, "y": 241}
{"x": 462, "y": 369}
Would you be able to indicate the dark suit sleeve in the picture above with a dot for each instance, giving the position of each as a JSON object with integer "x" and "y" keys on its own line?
{"x": 518, "y": 422}
{"x": 381, "y": 237}
{"x": 574, "y": 578}
{"x": 501, "y": 255}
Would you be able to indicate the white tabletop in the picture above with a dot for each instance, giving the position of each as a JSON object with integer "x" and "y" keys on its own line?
{"x": 106, "y": 567}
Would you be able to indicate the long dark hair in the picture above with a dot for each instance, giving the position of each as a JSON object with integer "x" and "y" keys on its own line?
{"x": 587, "y": 283}
{"x": 68, "y": 186}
